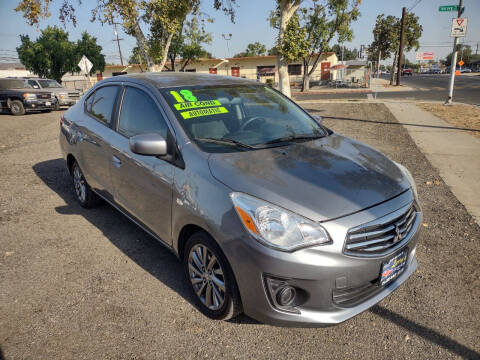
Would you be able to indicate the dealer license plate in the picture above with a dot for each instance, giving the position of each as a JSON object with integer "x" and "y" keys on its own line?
{"x": 48, "y": 103}
{"x": 392, "y": 268}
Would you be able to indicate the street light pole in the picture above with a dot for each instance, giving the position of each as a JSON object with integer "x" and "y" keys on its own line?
{"x": 453, "y": 62}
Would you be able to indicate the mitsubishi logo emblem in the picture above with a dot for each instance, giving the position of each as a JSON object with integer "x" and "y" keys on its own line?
{"x": 398, "y": 234}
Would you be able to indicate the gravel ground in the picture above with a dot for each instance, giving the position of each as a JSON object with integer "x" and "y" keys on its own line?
{"x": 88, "y": 284}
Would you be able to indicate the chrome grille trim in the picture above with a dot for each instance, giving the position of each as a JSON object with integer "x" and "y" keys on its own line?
{"x": 384, "y": 235}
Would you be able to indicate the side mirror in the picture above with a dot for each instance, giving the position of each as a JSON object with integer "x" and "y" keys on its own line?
{"x": 148, "y": 144}
{"x": 318, "y": 118}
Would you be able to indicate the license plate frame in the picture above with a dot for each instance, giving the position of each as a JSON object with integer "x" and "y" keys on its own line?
{"x": 393, "y": 267}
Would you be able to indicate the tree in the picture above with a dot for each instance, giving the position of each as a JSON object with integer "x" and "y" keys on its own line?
{"x": 87, "y": 45}
{"x": 286, "y": 9}
{"x": 50, "y": 56}
{"x": 167, "y": 15}
{"x": 255, "y": 49}
{"x": 348, "y": 54}
{"x": 464, "y": 53}
{"x": 323, "y": 22}
{"x": 386, "y": 35}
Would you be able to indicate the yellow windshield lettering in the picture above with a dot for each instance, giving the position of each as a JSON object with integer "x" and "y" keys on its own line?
{"x": 203, "y": 112}
{"x": 196, "y": 104}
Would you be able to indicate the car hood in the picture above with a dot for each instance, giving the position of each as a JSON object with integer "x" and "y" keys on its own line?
{"x": 321, "y": 179}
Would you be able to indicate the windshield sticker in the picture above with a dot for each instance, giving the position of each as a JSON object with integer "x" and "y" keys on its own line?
{"x": 196, "y": 104}
{"x": 204, "y": 112}
{"x": 187, "y": 95}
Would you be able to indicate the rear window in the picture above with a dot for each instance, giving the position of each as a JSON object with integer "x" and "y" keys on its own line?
{"x": 6, "y": 84}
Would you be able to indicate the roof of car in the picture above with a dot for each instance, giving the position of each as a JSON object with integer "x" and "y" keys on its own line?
{"x": 171, "y": 79}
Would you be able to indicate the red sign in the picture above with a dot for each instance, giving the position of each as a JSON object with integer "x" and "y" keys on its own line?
{"x": 212, "y": 71}
{"x": 236, "y": 71}
{"x": 460, "y": 22}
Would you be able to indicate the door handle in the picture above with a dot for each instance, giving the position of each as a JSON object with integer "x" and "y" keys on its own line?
{"x": 116, "y": 161}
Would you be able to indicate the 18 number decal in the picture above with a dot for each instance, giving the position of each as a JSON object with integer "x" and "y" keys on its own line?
{"x": 187, "y": 94}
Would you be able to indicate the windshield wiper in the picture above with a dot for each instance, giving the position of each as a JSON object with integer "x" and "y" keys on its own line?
{"x": 294, "y": 138}
{"x": 226, "y": 141}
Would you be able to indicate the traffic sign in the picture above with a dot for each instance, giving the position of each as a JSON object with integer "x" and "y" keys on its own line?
{"x": 85, "y": 65}
{"x": 448, "y": 8}
{"x": 459, "y": 27}
{"x": 461, "y": 62}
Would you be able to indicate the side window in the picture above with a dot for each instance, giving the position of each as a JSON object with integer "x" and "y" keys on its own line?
{"x": 102, "y": 105}
{"x": 140, "y": 115}
{"x": 33, "y": 84}
{"x": 89, "y": 102}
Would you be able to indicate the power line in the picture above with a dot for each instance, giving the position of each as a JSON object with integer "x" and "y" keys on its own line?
{"x": 414, "y": 5}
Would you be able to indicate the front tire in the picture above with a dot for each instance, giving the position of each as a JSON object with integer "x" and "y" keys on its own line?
{"x": 84, "y": 194}
{"x": 211, "y": 278}
{"x": 17, "y": 108}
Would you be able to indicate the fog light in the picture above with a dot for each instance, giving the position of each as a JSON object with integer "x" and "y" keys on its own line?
{"x": 286, "y": 295}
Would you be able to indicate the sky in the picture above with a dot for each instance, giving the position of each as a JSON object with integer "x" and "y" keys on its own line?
{"x": 250, "y": 25}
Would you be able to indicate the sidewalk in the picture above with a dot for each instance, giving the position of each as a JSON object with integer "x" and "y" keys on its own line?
{"x": 453, "y": 152}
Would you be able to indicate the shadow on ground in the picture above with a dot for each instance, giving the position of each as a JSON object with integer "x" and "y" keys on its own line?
{"x": 164, "y": 265}
{"x": 425, "y": 332}
{"x": 121, "y": 232}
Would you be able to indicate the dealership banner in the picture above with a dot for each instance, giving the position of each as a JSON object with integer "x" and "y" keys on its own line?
{"x": 424, "y": 56}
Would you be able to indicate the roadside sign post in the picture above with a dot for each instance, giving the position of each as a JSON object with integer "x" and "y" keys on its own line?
{"x": 86, "y": 65}
{"x": 453, "y": 62}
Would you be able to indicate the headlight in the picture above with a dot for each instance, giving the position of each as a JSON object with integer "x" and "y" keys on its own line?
{"x": 409, "y": 177}
{"x": 29, "y": 96}
{"x": 277, "y": 227}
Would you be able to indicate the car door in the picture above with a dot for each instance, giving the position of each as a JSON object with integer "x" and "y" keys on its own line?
{"x": 95, "y": 138}
{"x": 142, "y": 184}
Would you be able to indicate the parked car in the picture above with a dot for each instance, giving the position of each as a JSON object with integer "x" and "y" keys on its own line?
{"x": 270, "y": 212}
{"x": 465, "y": 70}
{"x": 434, "y": 71}
{"x": 407, "y": 71}
{"x": 63, "y": 96}
{"x": 17, "y": 97}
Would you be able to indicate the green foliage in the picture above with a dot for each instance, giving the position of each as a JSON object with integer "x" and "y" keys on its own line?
{"x": 348, "y": 54}
{"x": 52, "y": 55}
{"x": 255, "y": 49}
{"x": 464, "y": 53}
{"x": 386, "y": 35}
{"x": 295, "y": 43}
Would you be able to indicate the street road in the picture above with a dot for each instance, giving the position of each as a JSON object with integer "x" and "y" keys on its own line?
{"x": 427, "y": 87}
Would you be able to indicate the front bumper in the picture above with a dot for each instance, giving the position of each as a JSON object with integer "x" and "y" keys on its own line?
{"x": 67, "y": 102}
{"x": 318, "y": 273}
{"x": 37, "y": 105}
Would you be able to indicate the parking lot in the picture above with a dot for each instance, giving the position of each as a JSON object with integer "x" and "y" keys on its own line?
{"x": 89, "y": 284}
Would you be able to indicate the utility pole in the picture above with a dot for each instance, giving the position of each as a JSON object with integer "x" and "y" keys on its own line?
{"x": 453, "y": 62}
{"x": 118, "y": 41}
{"x": 400, "y": 49}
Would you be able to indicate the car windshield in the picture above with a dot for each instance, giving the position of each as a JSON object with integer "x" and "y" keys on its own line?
{"x": 239, "y": 117}
{"x": 6, "y": 84}
{"x": 49, "y": 84}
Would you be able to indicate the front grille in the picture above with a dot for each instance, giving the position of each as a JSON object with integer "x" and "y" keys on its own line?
{"x": 43, "y": 96}
{"x": 74, "y": 95}
{"x": 353, "y": 296}
{"x": 383, "y": 235}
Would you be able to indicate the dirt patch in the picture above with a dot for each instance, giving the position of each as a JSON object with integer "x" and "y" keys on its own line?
{"x": 461, "y": 116}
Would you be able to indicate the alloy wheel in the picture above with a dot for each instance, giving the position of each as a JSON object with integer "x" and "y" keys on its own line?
{"x": 207, "y": 277}
{"x": 80, "y": 184}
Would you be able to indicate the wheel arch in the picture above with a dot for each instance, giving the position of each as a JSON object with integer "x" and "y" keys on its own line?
{"x": 70, "y": 161}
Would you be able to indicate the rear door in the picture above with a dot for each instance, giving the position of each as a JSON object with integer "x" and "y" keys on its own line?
{"x": 142, "y": 184}
{"x": 96, "y": 136}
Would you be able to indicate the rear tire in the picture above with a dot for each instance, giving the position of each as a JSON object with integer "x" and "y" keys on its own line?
{"x": 211, "y": 278}
{"x": 84, "y": 194}
{"x": 17, "y": 108}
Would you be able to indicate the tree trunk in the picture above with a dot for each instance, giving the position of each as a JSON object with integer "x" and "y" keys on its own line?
{"x": 185, "y": 64}
{"x": 142, "y": 44}
{"x": 172, "y": 63}
{"x": 306, "y": 76}
{"x": 392, "y": 75}
{"x": 287, "y": 9}
{"x": 165, "y": 53}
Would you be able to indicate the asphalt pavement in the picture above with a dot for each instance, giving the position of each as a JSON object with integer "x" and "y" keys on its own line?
{"x": 89, "y": 284}
{"x": 426, "y": 88}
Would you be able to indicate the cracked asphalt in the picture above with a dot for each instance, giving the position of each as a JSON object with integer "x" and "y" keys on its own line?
{"x": 89, "y": 284}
